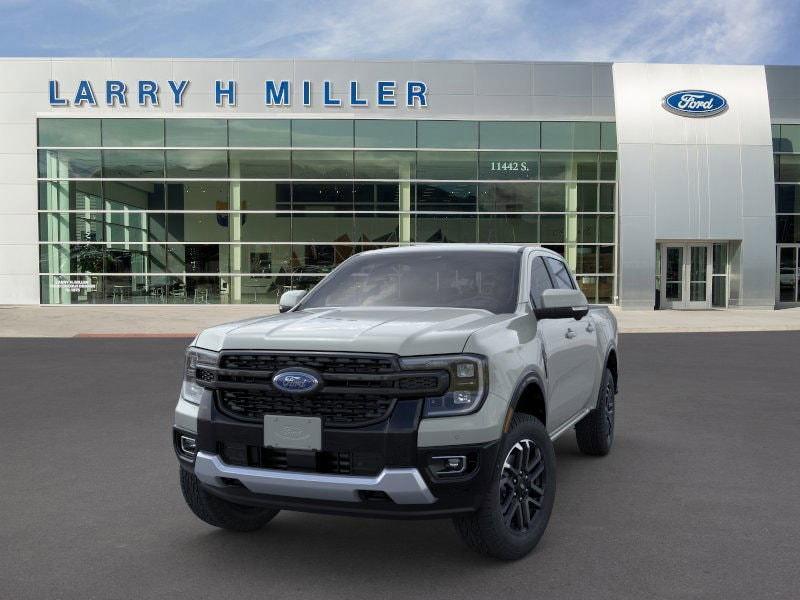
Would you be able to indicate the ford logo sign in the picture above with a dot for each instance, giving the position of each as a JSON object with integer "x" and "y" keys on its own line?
{"x": 695, "y": 103}
{"x": 295, "y": 381}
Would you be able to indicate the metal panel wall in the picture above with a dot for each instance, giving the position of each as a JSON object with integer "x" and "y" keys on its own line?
{"x": 694, "y": 178}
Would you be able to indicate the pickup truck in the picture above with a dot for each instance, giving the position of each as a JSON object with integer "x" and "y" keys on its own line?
{"x": 420, "y": 381}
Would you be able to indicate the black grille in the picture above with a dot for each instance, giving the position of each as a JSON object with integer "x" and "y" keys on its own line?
{"x": 342, "y": 410}
{"x": 356, "y": 389}
{"x": 340, "y": 463}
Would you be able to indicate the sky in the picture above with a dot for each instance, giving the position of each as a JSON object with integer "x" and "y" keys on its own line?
{"x": 682, "y": 31}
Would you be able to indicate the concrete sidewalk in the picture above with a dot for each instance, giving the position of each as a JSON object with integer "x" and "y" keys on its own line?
{"x": 186, "y": 321}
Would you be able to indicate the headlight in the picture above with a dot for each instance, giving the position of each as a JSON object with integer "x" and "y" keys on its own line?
{"x": 468, "y": 383}
{"x": 196, "y": 359}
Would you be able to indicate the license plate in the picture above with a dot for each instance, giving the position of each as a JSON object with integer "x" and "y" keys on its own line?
{"x": 292, "y": 433}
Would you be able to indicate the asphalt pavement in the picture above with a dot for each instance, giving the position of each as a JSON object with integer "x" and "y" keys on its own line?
{"x": 700, "y": 497}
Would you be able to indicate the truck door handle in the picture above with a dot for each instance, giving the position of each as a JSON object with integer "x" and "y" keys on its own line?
{"x": 570, "y": 334}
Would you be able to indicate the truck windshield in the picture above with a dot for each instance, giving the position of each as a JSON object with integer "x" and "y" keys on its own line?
{"x": 469, "y": 279}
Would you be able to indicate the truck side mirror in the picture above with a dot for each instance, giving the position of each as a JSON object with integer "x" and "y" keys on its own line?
{"x": 290, "y": 299}
{"x": 562, "y": 304}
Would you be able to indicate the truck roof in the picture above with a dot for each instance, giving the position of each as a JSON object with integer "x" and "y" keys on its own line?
{"x": 449, "y": 247}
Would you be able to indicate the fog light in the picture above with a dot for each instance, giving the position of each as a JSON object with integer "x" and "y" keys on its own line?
{"x": 188, "y": 445}
{"x": 448, "y": 465}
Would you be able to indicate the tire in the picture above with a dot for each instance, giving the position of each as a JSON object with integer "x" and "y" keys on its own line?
{"x": 221, "y": 513}
{"x": 595, "y": 431}
{"x": 489, "y": 530}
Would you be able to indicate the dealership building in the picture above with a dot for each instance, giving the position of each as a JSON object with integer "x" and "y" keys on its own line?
{"x": 188, "y": 181}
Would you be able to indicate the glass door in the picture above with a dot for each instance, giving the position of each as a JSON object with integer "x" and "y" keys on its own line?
{"x": 686, "y": 273}
{"x": 788, "y": 274}
{"x": 672, "y": 276}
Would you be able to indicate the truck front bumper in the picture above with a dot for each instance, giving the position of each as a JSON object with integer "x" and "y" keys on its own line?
{"x": 388, "y": 474}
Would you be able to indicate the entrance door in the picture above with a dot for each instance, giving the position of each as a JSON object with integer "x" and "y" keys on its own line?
{"x": 788, "y": 274}
{"x": 686, "y": 276}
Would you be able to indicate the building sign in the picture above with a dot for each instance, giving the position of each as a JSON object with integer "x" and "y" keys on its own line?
{"x": 695, "y": 103}
{"x": 412, "y": 94}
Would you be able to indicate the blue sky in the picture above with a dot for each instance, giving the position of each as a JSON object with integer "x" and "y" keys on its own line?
{"x": 700, "y": 31}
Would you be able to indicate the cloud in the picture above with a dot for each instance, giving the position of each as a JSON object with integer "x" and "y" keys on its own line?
{"x": 707, "y": 31}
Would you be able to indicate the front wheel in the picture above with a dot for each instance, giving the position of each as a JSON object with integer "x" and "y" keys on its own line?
{"x": 515, "y": 511}
{"x": 221, "y": 513}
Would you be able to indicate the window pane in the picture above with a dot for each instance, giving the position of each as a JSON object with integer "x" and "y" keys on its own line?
{"x": 377, "y": 227}
{"x": 587, "y": 229}
{"x": 446, "y": 228}
{"x": 322, "y": 196}
{"x": 789, "y": 168}
{"x": 787, "y": 198}
{"x": 69, "y": 132}
{"x": 322, "y": 164}
{"x": 509, "y": 134}
{"x": 447, "y": 134}
{"x": 608, "y": 136}
{"x": 586, "y": 259}
{"x": 508, "y": 197}
{"x": 264, "y": 195}
{"x": 605, "y": 259}
{"x": 382, "y": 196}
{"x": 588, "y": 286}
{"x": 385, "y": 133}
{"x": 552, "y": 228}
{"x": 605, "y": 228}
{"x": 133, "y": 132}
{"x": 790, "y": 138}
{"x": 265, "y": 227}
{"x": 608, "y": 166}
{"x": 605, "y": 290}
{"x": 197, "y": 163}
{"x": 120, "y": 195}
{"x": 315, "y": 258}
{"x": 553, "y": 197}
{"x": 776, "y": 138}
{"x": 260, "y": 164}
{"x": 460, "y": 197}
{"x": 446, "y": 165}
{"x": 509, "y": 165}
{"x": 322, "y": 133}
{"x": 556, "y": 165}
{"x": 788, "y": 229}
{"x": 587, "y": 197}
{"x": 585, "y": 166}
{"x": 198, "y": 258}
{"x": 198, "y": 227}
{"x": 606, "y": 197}
{"x": 385, "y": 165}
{"x": 508, "y": 228}
{"x": 322, "y": 227}
{"x": 70, "y": 195}
{"x": 720, "y": 262}
{"x": 255, "y": 133}
{"x": 62, "y": 164}
{"x": 587, "y": 136}
{"x": 133, "y": 163}
{"x": 199, "y": 195}
{"x": 197, "y": 132}
{"x": 557, "y": 135}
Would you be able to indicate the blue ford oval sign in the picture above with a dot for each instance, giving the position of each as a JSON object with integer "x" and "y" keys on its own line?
{"x": 295, "y": 381}
{"x": 695, "y": 103}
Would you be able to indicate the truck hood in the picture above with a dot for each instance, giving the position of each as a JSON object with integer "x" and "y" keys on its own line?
{"x": 402, "y": 331}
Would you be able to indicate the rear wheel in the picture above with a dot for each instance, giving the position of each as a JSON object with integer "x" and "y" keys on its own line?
{"x": 595, "y": 432}
{"x": 514, "y": 514}
{"x": 221, "y": 513}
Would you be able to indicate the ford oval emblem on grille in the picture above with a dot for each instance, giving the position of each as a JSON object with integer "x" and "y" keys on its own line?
{"x": 294, "y": 381}
{"x": 695, "y": 103}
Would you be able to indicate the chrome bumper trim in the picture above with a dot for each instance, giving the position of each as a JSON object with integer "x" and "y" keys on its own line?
{"x": 403, "y": 486}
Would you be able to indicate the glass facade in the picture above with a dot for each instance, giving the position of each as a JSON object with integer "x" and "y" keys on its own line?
{"x": 786, "y": 147}
{"x": 240, "y": 210}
